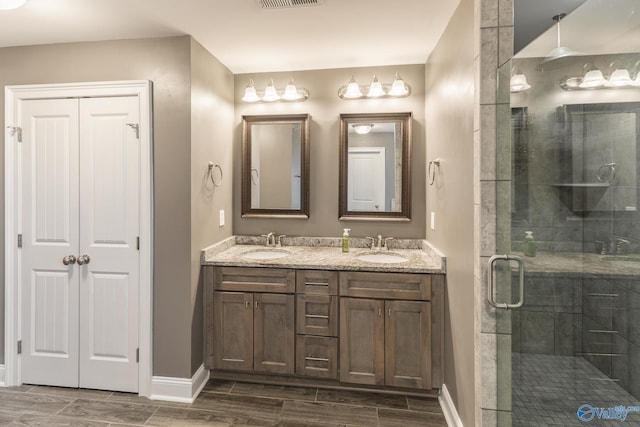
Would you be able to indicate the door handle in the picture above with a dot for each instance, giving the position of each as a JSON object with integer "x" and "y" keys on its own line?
{"x": 69, "y": 259}
{"x": 491, "y": 294}
{"x": 84, "y": 259}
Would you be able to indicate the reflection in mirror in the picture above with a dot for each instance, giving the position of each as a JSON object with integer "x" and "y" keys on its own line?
{"x": 275, "y": 166}
{"x": 374, "y": 166}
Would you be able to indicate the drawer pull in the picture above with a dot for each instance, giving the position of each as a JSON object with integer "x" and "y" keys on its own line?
{"x": 598, "y": 331}
{"x": 317, "y": 359}
{"x": 316, "y": 316}
{"x": 317, "y": 283}
{"x": 605, "y": 295}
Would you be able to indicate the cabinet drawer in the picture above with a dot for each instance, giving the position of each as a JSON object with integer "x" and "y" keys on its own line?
{"x": 317, "y": 356}
{"x": 317, "y": 282}
{"x": 317, "y": 315}
{"x": 271, "y": 280}
{"x": 386, "y": 285}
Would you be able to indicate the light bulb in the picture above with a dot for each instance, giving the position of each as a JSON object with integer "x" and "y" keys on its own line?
{"x": 375, "y": 90}
{"x": 270, "y": 93}
{"x": 353, "y": 90}
{"x": 619, "y": 78}
{"x": 362, "y": 128}
{"x": 398, "y": 87}
{"x": 250, "y": 94}
{"x": 518, "y": 83}
{"x": 291, "y": 92}
{"x": 591, "y": 79}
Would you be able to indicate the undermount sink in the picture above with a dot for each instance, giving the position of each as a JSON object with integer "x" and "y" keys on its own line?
{"x": 382, "y": 257}
{"x": 265, "y": 254}
{"x": 624, "y": 261}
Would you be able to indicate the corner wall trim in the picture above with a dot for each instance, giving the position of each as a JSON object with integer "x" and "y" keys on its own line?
{"x": 448, "y": 408}
{"x": 2, "y": 382}
{"x": 182, "y": 390}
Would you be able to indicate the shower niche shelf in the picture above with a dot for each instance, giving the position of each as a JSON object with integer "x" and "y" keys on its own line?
{"x": 582, "y": 196}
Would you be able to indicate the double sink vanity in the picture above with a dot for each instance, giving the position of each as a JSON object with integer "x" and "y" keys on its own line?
{"x": 306, "y": 313}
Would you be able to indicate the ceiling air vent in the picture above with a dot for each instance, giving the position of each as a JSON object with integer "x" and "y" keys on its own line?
{"x": 283, "y": 4}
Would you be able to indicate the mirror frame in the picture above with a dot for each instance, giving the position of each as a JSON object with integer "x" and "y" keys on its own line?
{"x": 247, "y": 123}
{"x": 405, "y": 120}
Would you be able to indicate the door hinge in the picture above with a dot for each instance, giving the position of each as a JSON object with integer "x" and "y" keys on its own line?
{"x": 138, "y": 243}
{"x": 19, "y": 240}
{"x": 20, "y": 347}
{"x": 136, "y": 128}
{"x": 137, "y": 355}
{"x": 16, "y": 130}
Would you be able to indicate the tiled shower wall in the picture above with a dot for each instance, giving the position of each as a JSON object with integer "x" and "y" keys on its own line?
{"x": 545, "y": 159}
{"x": 556, "y": 227}
{"x": 492, "y": 189}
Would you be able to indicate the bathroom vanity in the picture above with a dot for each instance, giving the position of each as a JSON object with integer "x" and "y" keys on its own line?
{"x": 313, "y": 315}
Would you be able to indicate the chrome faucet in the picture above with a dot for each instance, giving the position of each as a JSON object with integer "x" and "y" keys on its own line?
{"x": 386, "y": 242}
{"x": 379, "y": 245}
{"x": 271, "y": 238}
{"x": 279, "y": 243}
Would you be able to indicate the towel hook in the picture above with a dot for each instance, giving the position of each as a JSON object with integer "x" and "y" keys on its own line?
{"x": 211, "y": 166}
{"x": 434, "y": 167}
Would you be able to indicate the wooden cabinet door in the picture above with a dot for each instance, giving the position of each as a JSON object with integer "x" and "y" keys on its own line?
{"x": 233, "y": 331}
{"x": 408, "y": 344}
{"x": 274, "y": 333}
{"x": 362, "y": 341}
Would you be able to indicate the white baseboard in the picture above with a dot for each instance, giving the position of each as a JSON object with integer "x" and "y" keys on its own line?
{"x": 183, "y": 390}
{"x": 2, "y": 381}
{"x": 448, "y": 408}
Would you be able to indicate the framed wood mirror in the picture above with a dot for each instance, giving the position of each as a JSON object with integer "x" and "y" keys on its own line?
{"x": 375, "y": 171}
{"x": 275, "y": 166}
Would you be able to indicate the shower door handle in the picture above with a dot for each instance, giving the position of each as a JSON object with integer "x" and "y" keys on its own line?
{"x": 491, "y": 277}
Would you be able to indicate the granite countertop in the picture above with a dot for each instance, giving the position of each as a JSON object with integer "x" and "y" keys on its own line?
{"x": 574, "y": 263}
{"x": 326, "y": 254}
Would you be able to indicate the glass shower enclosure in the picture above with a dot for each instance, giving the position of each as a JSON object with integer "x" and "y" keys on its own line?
{"x": 569, "y": 133}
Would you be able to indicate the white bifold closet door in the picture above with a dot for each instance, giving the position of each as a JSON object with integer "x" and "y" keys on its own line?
{"x": 79, "y": 199}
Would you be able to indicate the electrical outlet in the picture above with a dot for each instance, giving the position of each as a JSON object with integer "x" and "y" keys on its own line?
{"x": 221, "y": 217}
{"x": 433, "y": 221}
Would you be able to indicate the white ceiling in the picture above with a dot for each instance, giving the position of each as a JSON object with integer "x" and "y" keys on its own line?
{"x": 595, "y": 27}
{"x": 244, "y": 37}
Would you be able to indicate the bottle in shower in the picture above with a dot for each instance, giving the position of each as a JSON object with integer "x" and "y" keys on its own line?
{"x": 529, "y": 244}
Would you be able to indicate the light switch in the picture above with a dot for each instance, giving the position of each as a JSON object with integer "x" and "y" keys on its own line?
{"x": 221, "y": 217}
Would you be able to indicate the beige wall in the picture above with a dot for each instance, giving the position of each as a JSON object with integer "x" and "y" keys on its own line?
{"x": 167, "y": 63}
{"x": 211, "y": 137}
{"x": 325, "y": 107}
{"x": 449, "y": 130}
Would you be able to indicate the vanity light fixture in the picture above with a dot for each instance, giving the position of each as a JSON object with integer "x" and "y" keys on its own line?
{"x": 397, "y": 89}
{"x": 620, "y": 78}
{"x": 11, "y": 4}
{"x": 362, "y": 128}
{"x": 271, "y": 94}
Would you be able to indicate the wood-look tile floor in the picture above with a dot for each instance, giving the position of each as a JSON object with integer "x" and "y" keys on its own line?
{"x": 221, "y": 403}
